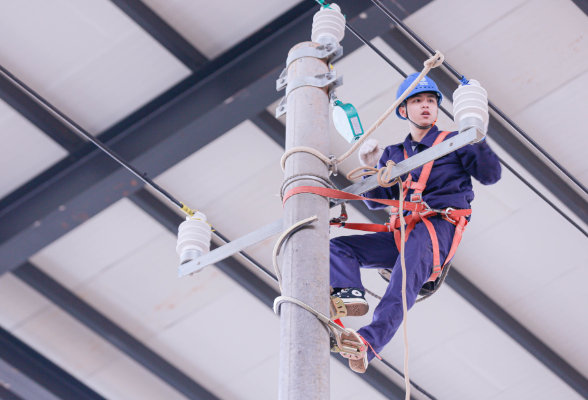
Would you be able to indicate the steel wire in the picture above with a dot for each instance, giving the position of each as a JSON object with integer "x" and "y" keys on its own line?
{"x": 502, "y": 115}
{"x": 446, "y": 112}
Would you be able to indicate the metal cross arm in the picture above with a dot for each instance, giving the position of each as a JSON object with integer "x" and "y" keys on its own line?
{"x": 466, "y": 137}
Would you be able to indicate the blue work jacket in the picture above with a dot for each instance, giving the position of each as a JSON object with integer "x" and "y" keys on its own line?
{"x": 450, "y": 183}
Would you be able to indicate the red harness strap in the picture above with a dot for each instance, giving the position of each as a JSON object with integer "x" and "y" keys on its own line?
{"x": 420, "y": 212}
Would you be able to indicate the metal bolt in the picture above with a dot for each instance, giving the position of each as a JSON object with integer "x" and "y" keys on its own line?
{"x": 282, "y": 80}
{"x": 281, "y": 108}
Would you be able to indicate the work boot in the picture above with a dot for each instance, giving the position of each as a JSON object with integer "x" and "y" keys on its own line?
{"x": 354, "y": 300}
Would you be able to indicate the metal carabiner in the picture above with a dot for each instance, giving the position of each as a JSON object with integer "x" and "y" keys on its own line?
{"x": 447, "y": 211}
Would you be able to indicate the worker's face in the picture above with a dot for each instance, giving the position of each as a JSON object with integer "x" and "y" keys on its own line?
{"x": 422, "y": 108}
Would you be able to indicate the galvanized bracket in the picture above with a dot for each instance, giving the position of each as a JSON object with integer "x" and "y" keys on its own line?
{"x": 469, "y": 136}
{"x": 282, "y": 81}
{"x": 328, "y": 80}
{"x": 330, "y": 51}
{"x": 282, "y": 107}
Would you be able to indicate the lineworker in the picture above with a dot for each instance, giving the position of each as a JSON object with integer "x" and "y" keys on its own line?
{"x": 449, "y": 185}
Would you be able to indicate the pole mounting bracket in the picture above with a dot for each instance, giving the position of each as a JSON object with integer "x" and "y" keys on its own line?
{"x": 330, "y": 80}
{"x": 331, "y": 51}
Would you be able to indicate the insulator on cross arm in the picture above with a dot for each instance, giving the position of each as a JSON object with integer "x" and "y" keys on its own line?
{"x": 194, "y": 236}
{"x": 470, "y": 107}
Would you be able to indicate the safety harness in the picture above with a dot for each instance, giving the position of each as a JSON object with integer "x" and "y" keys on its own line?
{"x": 420, "y": 212}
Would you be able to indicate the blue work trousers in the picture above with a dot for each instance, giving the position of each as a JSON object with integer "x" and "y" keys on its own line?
{"x": 378, "y": 250}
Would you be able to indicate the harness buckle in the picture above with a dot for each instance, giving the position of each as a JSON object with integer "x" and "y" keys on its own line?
{"x": 416, "y": 198}
{"x": 446, "y": 213}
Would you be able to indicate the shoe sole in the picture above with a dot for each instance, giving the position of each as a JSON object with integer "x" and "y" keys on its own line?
{"x": 358, "y": 365}
{"x": 357, "y": 309}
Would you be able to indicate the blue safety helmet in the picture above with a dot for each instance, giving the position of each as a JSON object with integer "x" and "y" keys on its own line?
{"x": 425, "y": 85}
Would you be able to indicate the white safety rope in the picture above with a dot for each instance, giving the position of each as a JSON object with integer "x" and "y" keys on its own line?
{"x": 433, "y": 62}
{"x": 404, "y": 302}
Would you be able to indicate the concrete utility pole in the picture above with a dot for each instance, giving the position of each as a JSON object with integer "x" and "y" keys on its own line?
{"x": 304, "y": 347}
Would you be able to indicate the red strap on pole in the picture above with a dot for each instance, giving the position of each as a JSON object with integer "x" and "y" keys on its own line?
{"x": 338, "y": 194}
{"x": 363, "y": 227}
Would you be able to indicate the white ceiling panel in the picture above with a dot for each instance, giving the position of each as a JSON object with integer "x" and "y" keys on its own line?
{"x": 125, "y": 379}
{"x": 556, "y": 312}
{"x": 87, "y": 58}
{"x": 203, "y": 344}
{"x": 19, "y": 301}
{"x": 544, "y": 56}
{"x": 143, "y": 293}
{"x": 510, "y": 259}
{"x": 536, "y": 387}
{"x": 553, "y": 121}
{"x": 235, "y": 158}
{"x": 66, "y": 342}
{"x": 347, "y": 385}
{"x": 211, "y": 28}
{"x": 446, "y": 24}
{"x": 249, "y": 386}
{"x": 25, "y": 150}
{"x": 113, "y": 234}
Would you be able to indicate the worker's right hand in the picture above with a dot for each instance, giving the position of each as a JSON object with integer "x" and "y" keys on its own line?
{"x": 369, "y": 153}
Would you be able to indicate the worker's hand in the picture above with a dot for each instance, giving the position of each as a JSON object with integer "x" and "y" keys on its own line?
{"x": 369, "y": 153}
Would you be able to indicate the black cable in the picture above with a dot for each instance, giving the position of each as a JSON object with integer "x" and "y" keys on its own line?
{"x": 78, "y": 129}
{"x": 502, "y": 115}
{"x": 374, "y": 48}
{"x": 527, "y": 183}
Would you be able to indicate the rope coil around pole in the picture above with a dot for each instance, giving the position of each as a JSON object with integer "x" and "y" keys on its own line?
{"x": 498, "y": 111}
{"x": 432, "y": 62}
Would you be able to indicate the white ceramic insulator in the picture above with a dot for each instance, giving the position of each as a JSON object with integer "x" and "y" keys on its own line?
{"x": 328, "y": 23}
{"x": 469, "y": 101}
{"x": 194, "y": 235}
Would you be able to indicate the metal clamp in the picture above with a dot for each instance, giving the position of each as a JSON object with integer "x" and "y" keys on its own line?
{"x": 282, "y": 107}
{"x": 333, "y": 167}
{"x": 282, "y": 81}
{"x": 328, "y": 80}
{"x": 331, "y": 51}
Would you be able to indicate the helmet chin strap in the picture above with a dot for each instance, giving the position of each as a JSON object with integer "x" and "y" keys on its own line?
{"x": 414, "y": 123}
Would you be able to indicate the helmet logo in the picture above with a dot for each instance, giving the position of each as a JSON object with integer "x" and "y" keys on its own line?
{"x": 423, "y": 82}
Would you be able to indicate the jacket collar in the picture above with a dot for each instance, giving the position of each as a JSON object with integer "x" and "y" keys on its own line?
{"x": 428, "y": 140}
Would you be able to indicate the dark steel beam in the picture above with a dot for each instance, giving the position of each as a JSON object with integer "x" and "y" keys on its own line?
{"x": 38, "y": 116}
{"x": 6, "y": 394}
{"x": 505, "y": 139}
{"x": 33, "y": 377}
{"x": 111, "y": 332}
{"x": 252, "y": 283}
{"x": 212, "y": 106}
{"x": 582, "y": 5}
{"x": 469, "y": 291}
{"x": 161, "y": 31}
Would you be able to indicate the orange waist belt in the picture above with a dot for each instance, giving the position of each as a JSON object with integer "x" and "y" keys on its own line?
{"x": 420, "y": 213}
